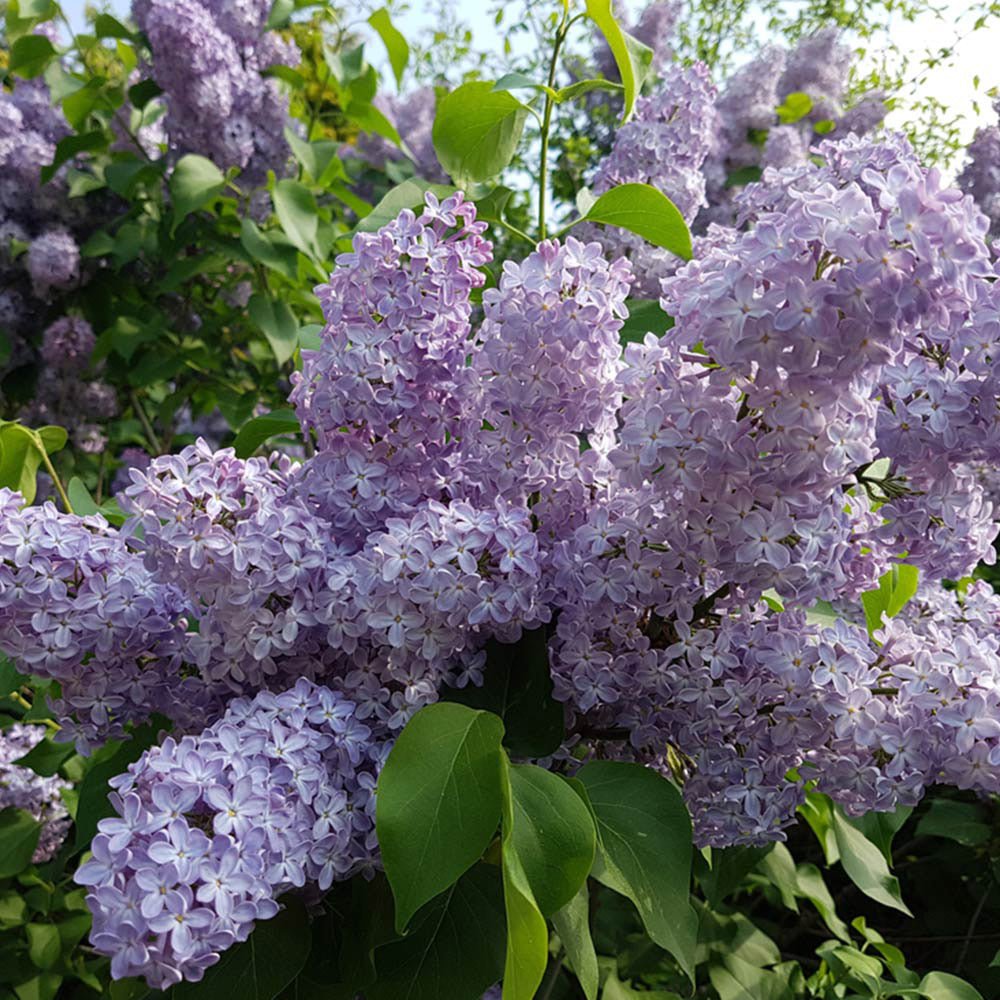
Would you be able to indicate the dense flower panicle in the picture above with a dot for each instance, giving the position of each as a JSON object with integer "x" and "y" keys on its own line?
{"x": 412, "y": 115}
{"x": 211, "y": 829}
{"x": 21, "y": 788}
{"x": 818, "y": 66}
{"x": 980, "y": 176}
{"x": 72, "y": 597}
{"x": 387, "y": 392}
{"x": 208, "y": 57}
{"x": 665, "y": 144}
{"x": 53, "y": 262}
{"x": 67, "y": 344}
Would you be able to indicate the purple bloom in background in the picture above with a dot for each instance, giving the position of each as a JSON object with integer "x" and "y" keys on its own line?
{"x": 412, "y": 115}
{"x": 53, "y": 262}
{"x": 21, "y": 788}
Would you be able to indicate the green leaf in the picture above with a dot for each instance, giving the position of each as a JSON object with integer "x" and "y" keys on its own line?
{"x": 106, "y": 26}
{"x": 78, "y": 105}
{"x": 277, "y": 323}
{"x": 476, "y": 130}
{"x": 193, "y": 184}
{"x": 644, "y": 316}
{"x": 644, "y": 850}
{"x": 21, "y": 452}
{"x": 736, "y": 979}
{"x": 281, "y": 12}
{"x": 298, "y": 215}
{"x": 71, "y": 146}
{"x": 141, "y": 93}
{"x": 260, "y": 967}
{"x": 527, "y": 932}
{"x": 553, "y": 835}
{"x": 30, "y": 54}
{"x": 45, "y": 757}
{"x": 439, "y": 801}
{"x": 572, "y": 924}
{"x": 729, "y": 867}
{"x": 111, "y": 760}
{"x": 455, "y": 948}
{"x": 44, "y": 944}
{"x": 395, "y": 44}
{"x": 881, "y": 827}
{"x": 964, "y": 822}
{"x": 794, "y": 108}
{"x": 319, "y": 158}
{"x": 18, "y": 839}
{"x": 10, "y": 679}
{"x": 490, "y": 208}
{"x": 272, "y": 249}
{"x": 634, "y": 60}
{"x": 811, "y": 886}
{"x": 409, "y": 194}
{"x": 643, "y": 210}
{"x": 615, "y": 989}
{"x": 517, "y": 686}
{"x": 258, "y": 430}
{"x": 895, "y": 588}
{"x": 865, "y": 864}
{"x": 521, "y": 81}
{"x": 581, "y": 87}
{"x": 944, "y": 986}
{"x": 744, "y": 175}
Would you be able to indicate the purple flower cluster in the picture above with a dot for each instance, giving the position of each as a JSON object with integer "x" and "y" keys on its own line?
{"x": 980, "y": 176}
{"x": 665, "y": 144}
{"x": 21, "y": 788}
{"x": 77, "y": 606}
{"x": 750, "y": 133}
{"x": 412, "y": 115}
{"x": 208, "y": 56}
{"x": 211, "y": 829}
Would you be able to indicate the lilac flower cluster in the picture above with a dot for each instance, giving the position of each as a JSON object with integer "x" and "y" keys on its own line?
{"x": 814, "y": 416}
{"x": 412, "y": 115}
{"x": 750, "y": 133}
{"x": 208, "y": 56}
{"x": 211, "y": 829}
{"x": 77, "y": 606}
{"x": 21, "y": 788}
{"x": 665, "y": 144}
{"x": 980, "y": 176}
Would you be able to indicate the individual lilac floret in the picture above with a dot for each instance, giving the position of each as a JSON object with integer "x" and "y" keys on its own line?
{"x": 21, "y": 788}
{"x": 211, "y": 829}
{"x": 53, "y": 262}
{"x": 130, "y": 458}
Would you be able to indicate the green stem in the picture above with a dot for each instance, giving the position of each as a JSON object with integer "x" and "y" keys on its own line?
{"x": 543, "y": 172}
{"x": 50, "y": 469}
{"x": 551, "y": 978}
{"x": 144, "y": 420}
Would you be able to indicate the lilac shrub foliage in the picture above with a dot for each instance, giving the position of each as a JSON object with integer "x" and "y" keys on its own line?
{"x": 207, "y": 57}
{"x": 814, "y": 415}
{"x": 21, "y": 788}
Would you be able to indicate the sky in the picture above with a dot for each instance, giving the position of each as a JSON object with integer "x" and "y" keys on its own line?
{"x": 953, "y": 84}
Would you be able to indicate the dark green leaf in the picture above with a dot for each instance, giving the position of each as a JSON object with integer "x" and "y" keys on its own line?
{"x": 193, "y": 184}
{"x": 395, "y": 44}
{"x": 644, "y": 316}
{"x": 71, "y": 146}
{"x": 30, "y": 54}
{"x": 744, "y": 175}
{"x": 517, "y": 686}
{"x": 643, "y": 210}
{"x": 964, "y": 822}
{"x": 18, "y": 839}
{"x": 476, "y": 130}
{"x": 572, "y": 924}
{"x": 45, "y": 757}
{"x": 262, "y": 966}
{"x": 634, "y": 60}
{"x": 439, "y": 801}
{"x": 581, "y": 87}
{"x": 10, "y": 679}
{"x": 281, "y": 12}
{"x": 644, "y": 850}
{"x": 271, "y": 248}
{"x": 944, "y": 986}
{"x": 141, "y": 93}
{"x": 258, "y": 430}
{"x": 277, "y": 323}
{"x": 729, "y": 867}
{"x": 881, "y": 827}
{"x": 455, "y": 949}
{"x": 78, "y": 105}
{"x": 113, "y": 759}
